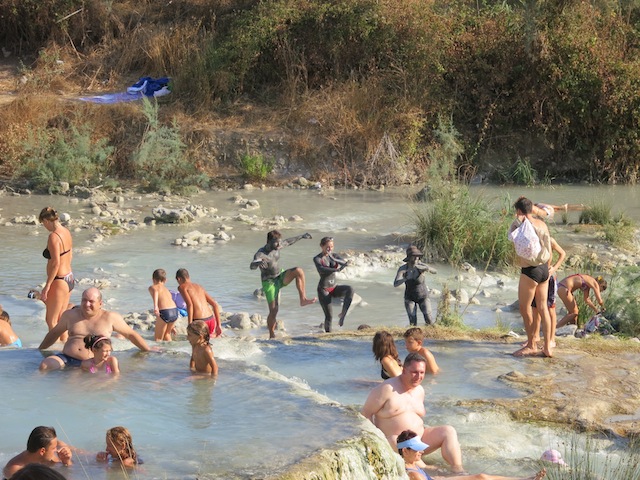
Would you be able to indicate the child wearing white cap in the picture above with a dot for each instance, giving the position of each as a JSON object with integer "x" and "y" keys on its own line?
{"x": 410, "y": 447}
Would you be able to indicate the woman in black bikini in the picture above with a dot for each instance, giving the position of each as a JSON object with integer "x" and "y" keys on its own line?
{"x": 57, "y": 290}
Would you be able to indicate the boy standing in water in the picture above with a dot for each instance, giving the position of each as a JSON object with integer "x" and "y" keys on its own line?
{"x": 200, "y": 305}
{"x": 413, "y": 339}
{"x": 164, "y": 308}
{"x": 273, "y": 279}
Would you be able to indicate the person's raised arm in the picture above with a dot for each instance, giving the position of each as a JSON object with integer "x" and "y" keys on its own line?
{"x": 324, "y": 269}
{"x": 259, "y": 260}
{"x": 290, "y": 241}
{"x": 64, "y": 453}
{"x": 53, "y": 335}
{"x": 339, "y": 260}
{"x": 423, "y": 267}
{"x": 120, "y": 326}
{"x": 401, "y": 276}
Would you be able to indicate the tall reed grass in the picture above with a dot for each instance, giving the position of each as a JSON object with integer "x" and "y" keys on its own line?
{"x": 459, "y": 228}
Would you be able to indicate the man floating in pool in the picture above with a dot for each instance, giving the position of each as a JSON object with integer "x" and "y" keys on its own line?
{"x": 273, "y": 279}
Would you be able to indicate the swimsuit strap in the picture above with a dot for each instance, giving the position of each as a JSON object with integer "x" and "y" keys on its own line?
{"x": 61, "y": 241}
{"x": 418, "y": 470}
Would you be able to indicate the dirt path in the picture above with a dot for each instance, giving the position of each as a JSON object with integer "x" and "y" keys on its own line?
{"x": 9, "y": 77}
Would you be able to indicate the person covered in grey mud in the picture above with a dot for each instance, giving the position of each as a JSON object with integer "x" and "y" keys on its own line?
{"x": 274, "y": 279}
{"x": 328, "y": 264}
{"x": 416, "y": 294}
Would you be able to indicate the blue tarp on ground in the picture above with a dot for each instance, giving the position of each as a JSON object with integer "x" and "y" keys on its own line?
{"x": 145, "y": 87}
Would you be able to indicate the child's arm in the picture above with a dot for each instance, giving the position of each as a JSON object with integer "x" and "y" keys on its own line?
{"x": 216, "y": 313}
{"x": 102, "y": 456}
{"x": 432, "y": 366}
{"x": 128, "y": 462}
{"x": 86, "y": 364}
{"x": 212, "y": 362}
{"x": 192, "y": 364}
{"x": 154, "y": 296}
{"x": 113, "y": 363}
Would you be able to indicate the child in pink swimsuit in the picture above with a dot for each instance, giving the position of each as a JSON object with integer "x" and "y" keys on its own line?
{"x": 102, "y": 359}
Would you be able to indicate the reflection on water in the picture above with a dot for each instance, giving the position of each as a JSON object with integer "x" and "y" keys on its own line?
{"x": 283, "y": 399}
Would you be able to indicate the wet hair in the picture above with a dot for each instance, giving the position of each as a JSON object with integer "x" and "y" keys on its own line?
{"x": 416, "y": 333}
{"x": 40, "y": 437}
{"x": 48, "y": 213}
{"x": 121, "y": 440}
{"x": 37, "y": 471}
{"x": 4, "y": 315}
{"x": 414, "y": 357}
{"x": 159, "y": 275}
{"x": 602, "y": 283}
{"x": 182, "y": 274}
{"x": 524, "y": 205}
{"x": 404, "y": 436}
{"x": 273, "y": 235}
{"x": 325, "y": 240}
{"x": 199, "y": 328}
{"x": 95, "y": 341}
{"x": 383, "y": 345}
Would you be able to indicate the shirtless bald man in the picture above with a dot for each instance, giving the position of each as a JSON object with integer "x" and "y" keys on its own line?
{"x": 398, "y": 404}
{"x": 89, "y": 319}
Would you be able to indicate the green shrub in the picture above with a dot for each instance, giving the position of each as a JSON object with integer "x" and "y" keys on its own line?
{"x": 620, "y": 232}
{"x": 256, "y": 167}
{"x": 460, "y": 228}
{"x": 448, "y": 315}
{"x": 159, "y": 161}
{"x": 598, "y": 214}
{"x": 622, "y": 301}
{"x": 55, "y": 155}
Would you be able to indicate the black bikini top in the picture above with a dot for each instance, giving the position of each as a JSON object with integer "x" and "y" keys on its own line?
{"x": 47, "y": 254}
